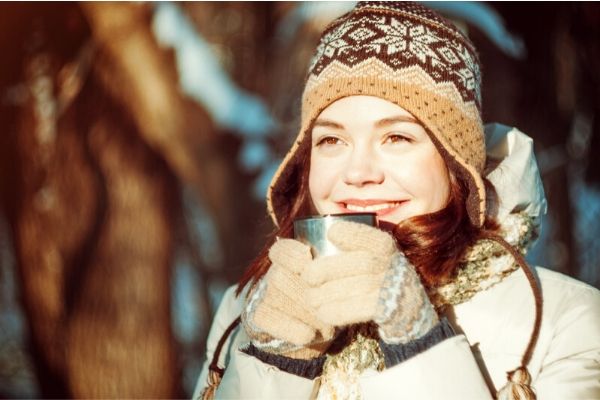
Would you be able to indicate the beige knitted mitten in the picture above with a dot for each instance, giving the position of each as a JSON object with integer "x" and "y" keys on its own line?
{"x": 369, "y": 280}
{"x": 276, "y": 316}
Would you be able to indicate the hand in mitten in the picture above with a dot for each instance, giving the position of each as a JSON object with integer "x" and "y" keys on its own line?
{"x": 276, "y": 316}
{"x": 370, "y": 279}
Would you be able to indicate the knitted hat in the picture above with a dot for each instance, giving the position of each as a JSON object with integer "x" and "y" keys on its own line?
{"x": 411, "y": 56}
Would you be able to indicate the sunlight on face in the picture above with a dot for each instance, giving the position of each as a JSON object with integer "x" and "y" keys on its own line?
{"x": 370, "y": 155}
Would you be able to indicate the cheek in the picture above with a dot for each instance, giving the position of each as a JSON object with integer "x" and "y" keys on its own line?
{"x": 438, "y": 182}
{"x": 313, "y": 186}
{"x": 319, "y": 180}
{"x": 425, "y": 177}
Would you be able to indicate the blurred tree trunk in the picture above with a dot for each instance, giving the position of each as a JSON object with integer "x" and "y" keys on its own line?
{"x": 94, "y": 233}
{"x": 94, "y": 205}
{"x": 175, "y": 127}
{"x": 120, "y": 342}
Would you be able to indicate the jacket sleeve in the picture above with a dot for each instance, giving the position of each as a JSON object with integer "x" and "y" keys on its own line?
{"x": 246, "y": 377}
{"x": 571, "y": 367}
{"x": 226, "y": 314}
{"x": 447, "y": 370}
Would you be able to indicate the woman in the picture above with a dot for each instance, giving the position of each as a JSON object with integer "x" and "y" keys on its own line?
{"x": 446, "y": 306}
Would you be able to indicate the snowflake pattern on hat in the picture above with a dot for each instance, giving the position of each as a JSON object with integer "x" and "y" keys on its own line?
{"x": 401, "y": 43}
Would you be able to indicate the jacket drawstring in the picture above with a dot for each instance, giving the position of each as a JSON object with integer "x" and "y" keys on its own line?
{"x": 518, "y": 386}
{"x": 215, "y": 373}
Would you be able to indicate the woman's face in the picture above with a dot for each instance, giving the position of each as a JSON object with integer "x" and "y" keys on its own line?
{"x": 370, "y": 155}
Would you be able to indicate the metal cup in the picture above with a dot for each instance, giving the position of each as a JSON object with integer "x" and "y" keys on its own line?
{"x": 313, "y": 230}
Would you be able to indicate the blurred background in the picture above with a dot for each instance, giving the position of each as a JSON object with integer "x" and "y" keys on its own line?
{"x": 137, "y": 141}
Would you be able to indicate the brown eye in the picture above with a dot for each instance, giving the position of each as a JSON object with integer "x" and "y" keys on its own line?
{"x": 328, "y": 140}
{"x": 396, "y": 138}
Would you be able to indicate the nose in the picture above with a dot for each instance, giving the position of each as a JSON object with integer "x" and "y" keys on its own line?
{"x": 363, "y": 169}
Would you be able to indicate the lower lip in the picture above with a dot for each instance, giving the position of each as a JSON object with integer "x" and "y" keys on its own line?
{"x": 380, "y": 213}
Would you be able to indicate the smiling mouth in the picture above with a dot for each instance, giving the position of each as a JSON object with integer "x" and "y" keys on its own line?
{"x": 379, "y": 208}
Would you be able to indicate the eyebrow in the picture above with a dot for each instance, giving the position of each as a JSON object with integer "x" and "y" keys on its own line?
{"x": 379, "y": 124}
{"x": 393, "y": 120}
{"x": 327, "y": 124}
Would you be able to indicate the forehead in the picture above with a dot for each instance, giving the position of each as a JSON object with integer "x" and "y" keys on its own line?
{"x": 364, "y": 110}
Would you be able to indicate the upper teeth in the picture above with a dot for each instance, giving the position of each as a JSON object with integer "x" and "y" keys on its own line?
{"x": 374, "y": 207}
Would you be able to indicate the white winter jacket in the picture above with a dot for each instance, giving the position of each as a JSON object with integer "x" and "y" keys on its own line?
{"x": 494, "y": 325}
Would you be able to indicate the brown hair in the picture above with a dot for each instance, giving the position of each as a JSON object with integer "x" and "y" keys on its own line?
{"x": 434, "y": 243}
